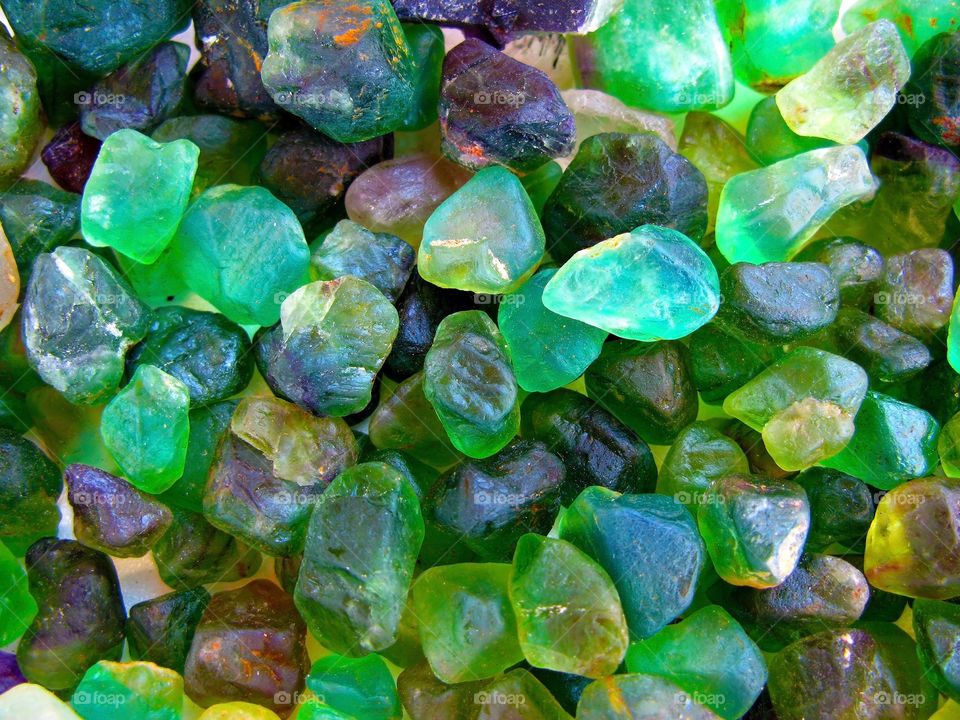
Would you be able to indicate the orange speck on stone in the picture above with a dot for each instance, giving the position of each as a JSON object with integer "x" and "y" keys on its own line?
{"x": 617, "y": 702}
{"x": 353, "y": 35}
{"x": 908, "y": 24}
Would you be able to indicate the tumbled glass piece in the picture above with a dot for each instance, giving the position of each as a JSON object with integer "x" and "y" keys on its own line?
{"x": 917, "y": 20}
{"x": 667, "y": 57}
{"x": 146, "y": 428}
{"x": 332, "y": 340}
{"x": 227, "y": 231}
{"x": 21, "y": 123}
{"x": 32, "y": 700}
{"x": 30, "y": 484}
{"x": 357, "y": 687}
{"x": 311, "y": 44}
{"x": 699, "y": 455}
{"x": 112, "y": 515}
{"x": 80, "y": 618}
{"x": 771, "y": 213}
{"x": 610, "y": 285}
{"x": 568, "y": 611}
{"x": 807, "y": 432}
{"x": 352, "y": 599}
{"x": 469, "y": 380}
{"x": 486, "y": 237}
{"x": 916, "y": 292}
{"x": 18, "y": 607}
{"x": 635, "y": 695}
{"x": 497, "y": 110}
{"x": 648, "y": 544}
{"x": 383, "y": 260}
{"x": 250, "y": 646}
{"x": 69, "y": 157}
{"x": 79, "y": 319}
{"x": 426, "y": 43}
{"x": 137, "y": 194}
{"x": 913, "y": 547}
{"x": 467, "y": 624}
{"x": 936, "y": 625}
{"x": 119, "y": 690}
{"x": 161, "y": 629}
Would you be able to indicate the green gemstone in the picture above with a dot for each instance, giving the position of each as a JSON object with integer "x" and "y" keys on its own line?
{"x": 610, "y": 285}
{"x": 771, "y": 213}
{"x": 227, "y": 231}
{"x": 698, "y": 456}
{"x": 548, "y": 350}
{"x": 467, "y": 625}
{"x": 21, "y": 120}
{"x": 486, "y": 237}
{"x": 936, "y": 625}
{"x": 36, "y": 218}
{"x": 597, "y": 112}
{"x": 669, "y": 57}
{"x": 634, "y": 695}
{"x": 568, "y": 611}
{"x": 948, "y": 447}
{"x": 18, "y": 608}
{"x": 917, "y": 20}
{"x": 841, "y": 508}
{"x": 146, "y": 428}
{"x": 517, "y": 695}
{"x": 313, "y": 709}
{"x": 426, "y": 51}
{"x": 770, "y": 139}
{"x": 357, "y": 687}
{"x": 953, "y": 336}
{"x": 754, "y": 529}
{"x": 30, "y": 484}
{"x": 30, "y": 700}
{"x": 123, "y": 690}
{"x": 851, "y": 88}
{"x": 161, "y": 630}
{"x": 469, "y": 380}
{"x": 361, "y": 547}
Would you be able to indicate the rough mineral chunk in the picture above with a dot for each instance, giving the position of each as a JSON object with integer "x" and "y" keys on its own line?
{"x": 358, "y": 687}
{"x": 20, "y": 110}
{"x": 161, "y": 630}
{"x": 116, "y": 691}
{"x": 36, "y": 218}
{"x": 69, "y": 157}
{"x": 698, "y": 456}
{"x": 30, "y": 484}
{"x": 383, "y": 260}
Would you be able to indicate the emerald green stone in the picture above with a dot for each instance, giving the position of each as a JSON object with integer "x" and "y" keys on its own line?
{"x": 361, "y": 546}
{"x": 123, "y": 690}
{"x": 769, "y": 138}
{"x": 313, "y": 709}
{"x": 771, "y": 213}
{"x": 31, "y": 700}
{"x": 21, "y": 119}
{"x": 18, "y": 608}
{"x": 137, "y": 194}
{"x": 227, "y": 231}
{"x": 893, "y": 441}
{"x": 699, "y": 455}
{"x": 948, "y": 447}
{"x": 610, "y": 285}
{"x": 79, "y": 319}
{"x": 936, "y": 625}
{"x": 634, "y": 695}
{"x": 467, "y": 624}
{"x": 722, "y": 363}
{"x": 469, "y": 380}
{"x": 851, "y": 88}
{"x": 668, "y": 57}
{"x": 709, "y": 656}
{"x": 426, "y": 51}
{"x": 953, "y": 337}
{"x": 754, "y": 528}
{"x": 146, "y": 428}
{"x": 548, "y": 350}
{"x": 486, "y": 237}
{"x": 568, "y": 611}
{"x": 917, "y": 20}
{"x": 357, "y": 687}
{"x": 156, "y": 283}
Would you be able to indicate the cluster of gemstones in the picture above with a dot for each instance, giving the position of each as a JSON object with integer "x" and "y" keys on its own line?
{"x": 493, "y": 360}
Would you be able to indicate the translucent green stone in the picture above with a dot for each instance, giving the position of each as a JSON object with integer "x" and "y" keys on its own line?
{"x": 486, "y": 237}
{"x": 427, "y": 51}
{"x": 893, "y": 441}
{"x": 137, "y": 194}
{"x": 698, "y": 456}
{"x": 770, "y": 140}
{"x": 807, "y": 432}
{"x": 30, "y": 484}
{"x": 18, "y": 607}
{"x": 568, "y": 611}
{"x": 313, "y": 709}
{"x": 851, "y": 88}
{"x": 610, "y": 285}
{"x": 469, "y": 380}
{"x": 548, "y": 350}
{"x": 517, "y": 694}
{"x": 709, "y": 656}
{"x": 634, "y": 695}
{"x": 953, "y": 336}
{"x": 936, "y": 625}
{"x": 30, "y": 700}
{"x": 771, "y": 213}
{"x": 79, "y": 319}
{"x": 425, "y": 697}
{"x": 467, "y": 625}
{"x": 160, "y": 630}
{"x": 227, "y": 231}
{"x": 948, "y": 447}
{"x": 123, "y": 690}
{"x": 21, "y": 121}
{"x": 146, "y": 428}
{"x": 357, "y": 687}
{"x": 917, "y": 20}
{"x": 361, "y": 547}
{"x": 667, "y": 56}
{"x": 754, "y": 529}
{"x": 722, "y": 363}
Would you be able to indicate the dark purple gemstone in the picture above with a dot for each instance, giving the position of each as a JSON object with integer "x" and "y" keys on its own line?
{"x": 69, "y": 157}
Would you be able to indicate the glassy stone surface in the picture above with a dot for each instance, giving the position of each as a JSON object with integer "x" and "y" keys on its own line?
{"x": 18, "y": 608}
{"x": 32, "y": 699}
{"x": 361, "y": 687}
{"x": 69, "y": 157}
{"x": 917, "y": 20}
{"x": 30, "y": 484}
{"x": 698, "y": 456}
{"x": 841, "y": 507}
{"x": 633, "y": 695}
{"x": 161, "y": 630}
{"x": 21, "y": 123}
{"x": 36, "y": 218}
{"x": 118, "y": 690}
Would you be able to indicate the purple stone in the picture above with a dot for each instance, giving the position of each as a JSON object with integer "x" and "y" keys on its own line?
{"x": 10, "y": 674}
{"x": 69, "y": 157}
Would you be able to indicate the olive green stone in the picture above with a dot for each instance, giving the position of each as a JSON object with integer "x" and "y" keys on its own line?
{"x": 770, "y": 140}
{"x": 699, "y": 455}
{"x": 948, "y": 447}
{"x": 936, "y": 625}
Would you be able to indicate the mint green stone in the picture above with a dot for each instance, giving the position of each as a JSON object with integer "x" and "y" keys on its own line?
{"x": 548, "y": 350}
{"x": 28, "y": 700}
{"x": 137, "y": 194}
{"x": 17, "y": 606}
{"x": 769, "y": 214}
{"x": 650, "y": 284}
{"x": 146, "y": 428}
{"x": 469, "y": 380}
{"x": 953, "y": 335}
{"x": 426, "y": 50}
{"x": 243, "y": 251}
{"x": 917, "y": 20}
{"x": 127, "y": 690}
{"x": 664, "y": 56}
{"x": 21, "y": 115}
{"x": 467, "y": 624}
{"x": 851, "y": 88}
{"x": 698, "y": 456}
{"x": 569, "y": 617}
{"x": 948, "y": 447}
{"x": 710, "y": 656}
{"x": 312, "y": 709}
{"x": 635, "y": 696}
{"x": 486, "y": 237}
{"x": 357, "y": 687}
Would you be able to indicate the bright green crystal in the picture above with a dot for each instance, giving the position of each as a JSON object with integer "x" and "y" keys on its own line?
{"x": 850, "y": 90}
{"x": 126, "y": 690}
{"x": 650, "y": 284}
{"x": 469, "y": 380}
{"x": 17, "y": 606}
{"x": 467, "y": 625}
{"x": 771, "y": 213}
{"x": 486, "y": 237}
{"x": 948, "y": 447}
{"x": 137, "y": 194}
{"x": 568, "y": 611}
{"x": 548, "y": 350}
{"x": 769, "y": 139}
{"x": 21, "y": 121}
{"x": 666, "y": 56}
{"x": 917, "y": 20}
{"x": 226, "y": 233}
{"x": 360, "y": 687}
{"x": 146, "y": 428}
